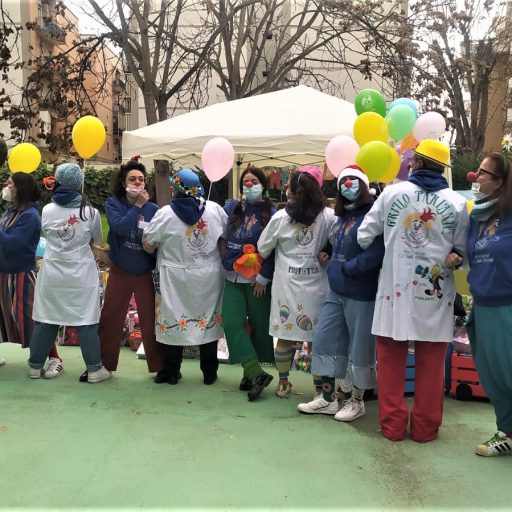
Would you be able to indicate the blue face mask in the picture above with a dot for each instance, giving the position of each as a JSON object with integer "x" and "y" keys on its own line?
{"x": 253, "y": 193}
{"x": 351, "y": 193}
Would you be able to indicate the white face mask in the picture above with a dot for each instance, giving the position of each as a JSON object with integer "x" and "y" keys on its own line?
{"x": 475, "y": 189}
{"x": 253, "y": 193}
{"x": 133, "y": 192}
{"x": 6, "y": 194}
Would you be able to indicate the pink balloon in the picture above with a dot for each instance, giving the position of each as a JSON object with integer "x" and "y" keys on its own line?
{"x": 430, "y": 125}
{"x": 340, "y": 152}
{"x": 217, "y": 158}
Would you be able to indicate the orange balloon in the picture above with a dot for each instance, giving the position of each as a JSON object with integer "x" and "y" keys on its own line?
{"x": 409, "y": 142}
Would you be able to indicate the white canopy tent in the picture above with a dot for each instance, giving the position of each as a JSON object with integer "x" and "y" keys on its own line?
{"x": 282, "y": 128}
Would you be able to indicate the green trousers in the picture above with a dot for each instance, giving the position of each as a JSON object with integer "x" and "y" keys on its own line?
{"x": 239, "y": 305}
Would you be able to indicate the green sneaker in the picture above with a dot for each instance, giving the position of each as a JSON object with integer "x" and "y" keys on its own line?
{"x": 500, "y": 444}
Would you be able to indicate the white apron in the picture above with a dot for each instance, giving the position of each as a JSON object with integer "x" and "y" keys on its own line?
{"x": 189, "y": 305}
{"x": 67, "y": 286}
{"x": 416, "y": 291}
{"x": 300, "y": 285}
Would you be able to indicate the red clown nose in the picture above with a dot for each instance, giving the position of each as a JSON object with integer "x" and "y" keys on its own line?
{"x": 471, "y": 176}
{"x": 248, "y": 184}
{"x": 348, "y": 184}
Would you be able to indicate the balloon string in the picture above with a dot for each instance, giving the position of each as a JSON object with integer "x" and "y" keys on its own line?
{"x": 83, "y": 182}
{"x": 209, "y": 190}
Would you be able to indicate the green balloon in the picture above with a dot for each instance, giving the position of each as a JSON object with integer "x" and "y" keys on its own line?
{"x": 400, "y": 121}
{"x": 370, "y": 100}
{"x": 374, "y": 158}
{"x": 3, "y": 151}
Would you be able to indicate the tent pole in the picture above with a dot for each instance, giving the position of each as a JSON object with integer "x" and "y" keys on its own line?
{"x": 235, "y": 192}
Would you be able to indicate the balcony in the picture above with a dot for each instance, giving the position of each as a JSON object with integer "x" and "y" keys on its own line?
{"x": 50, "y": 32}
{"x": 50, "y": 106}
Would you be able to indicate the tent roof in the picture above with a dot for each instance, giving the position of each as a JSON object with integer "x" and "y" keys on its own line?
{"x": 287, "y": 127}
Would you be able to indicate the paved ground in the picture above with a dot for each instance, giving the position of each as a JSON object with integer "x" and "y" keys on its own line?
{"x": 129, "y": 444}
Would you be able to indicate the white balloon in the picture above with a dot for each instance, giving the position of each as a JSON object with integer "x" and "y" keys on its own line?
{"x": 430, "y": 125}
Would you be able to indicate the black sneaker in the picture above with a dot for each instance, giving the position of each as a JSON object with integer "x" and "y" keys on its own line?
{"x": 173, "y": 379}
{"x": 161, "y": 377}
{"x": 84, "y": 377}
{"x": 245, "y": 384}
{"x": 258, "y": 384}
{"x": 210, "y": 379}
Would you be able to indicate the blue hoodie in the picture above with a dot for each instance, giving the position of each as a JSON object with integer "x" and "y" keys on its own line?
{"x": 354, "y": 272}
{"x": 248, "y": 232}
{"x": 489, "y": 254}
{"x": 125, "y": 235}
{"x": 18, "y": 243}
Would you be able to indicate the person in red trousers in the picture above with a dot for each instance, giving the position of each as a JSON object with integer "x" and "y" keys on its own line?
{"x": 128, "y": 213}
{"x": 422, "y": 221}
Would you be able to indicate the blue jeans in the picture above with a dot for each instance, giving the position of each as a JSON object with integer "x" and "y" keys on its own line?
{"x": 43, "y": 337}
{"x": 343, "y": 336}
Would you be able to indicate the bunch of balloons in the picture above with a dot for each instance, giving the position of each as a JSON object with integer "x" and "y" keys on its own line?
{"x": 377, "y": 130}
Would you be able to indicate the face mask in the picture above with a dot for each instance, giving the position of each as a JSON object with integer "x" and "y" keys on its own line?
{"x": 253, "y": 193}
{"x": 133, "y": 191}
{"x": 6, "y": 194}
{"x": 475, "y": 189}
{"x": 351, "y": 193}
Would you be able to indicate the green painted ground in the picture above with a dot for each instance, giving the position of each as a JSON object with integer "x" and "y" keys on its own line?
{"x": 128, "y": 444}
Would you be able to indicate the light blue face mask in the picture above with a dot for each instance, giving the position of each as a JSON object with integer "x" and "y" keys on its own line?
{"x": 253, "y": 193}
{"x": 351, "y": 193}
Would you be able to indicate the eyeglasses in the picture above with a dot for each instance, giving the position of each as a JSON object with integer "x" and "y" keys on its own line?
{"x": 136, "y": 178}
{"x": 483, "y": 171}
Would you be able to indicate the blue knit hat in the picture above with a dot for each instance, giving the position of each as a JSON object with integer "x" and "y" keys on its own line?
{"x": 187, "y": 182}
{"x": 70, "y": 175}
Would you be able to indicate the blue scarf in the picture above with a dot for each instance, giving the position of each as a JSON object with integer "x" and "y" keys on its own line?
{"x": 66, "y": 197}
{"x": 188, "y": 209}
{"x": 428, "y": 180}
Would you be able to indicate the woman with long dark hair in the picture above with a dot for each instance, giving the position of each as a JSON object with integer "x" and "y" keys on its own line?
{"x": 246, "y": 290}
{"x": 20, "y": 230}
{"x": 128, "y": 212}
{"x": 343, "y": 337}
{"x": 298, "y": 233}
{"x": 67, "y": 288}
{"x": 490, "y": 281}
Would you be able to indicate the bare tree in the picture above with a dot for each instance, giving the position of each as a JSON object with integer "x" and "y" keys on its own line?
{"x": 462, "y": 52}
{"x": 273, "y": 44}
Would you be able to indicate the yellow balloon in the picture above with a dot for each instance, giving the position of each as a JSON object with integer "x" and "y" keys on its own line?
{"x": 469, "y": 204}
{"x": 88, "y": 136}
{"x": 24, "y": 157}
{"x": 370, "y": 126}
{"x": 393, "y": 168}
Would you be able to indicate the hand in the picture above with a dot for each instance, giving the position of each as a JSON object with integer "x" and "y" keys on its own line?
{"x": 142, "y": 198}
{"x": 149, "y": 248}
{"x": 259, "y": 289}
{"x": 453, "y": 260}
{"x": 323, "y": 257}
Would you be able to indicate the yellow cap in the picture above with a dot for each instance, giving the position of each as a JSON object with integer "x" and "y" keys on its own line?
{"x": 435, "y": 151}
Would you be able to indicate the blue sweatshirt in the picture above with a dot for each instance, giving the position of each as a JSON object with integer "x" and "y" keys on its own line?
{"x": 248, "y": 232}
{"x": 354, "y": 272}
{"x": 127, "y": 223}
{"x": 489, "y": 253}
{"x": 18, "y": 243}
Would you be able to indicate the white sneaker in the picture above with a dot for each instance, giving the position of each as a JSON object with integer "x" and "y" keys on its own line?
{"x": 101, "y": 374}
{"x": 499, "y": 444}
{"x": 319, "y": 406}
{"x": 54, "y": 369}
{"x": 351, "y": 410}
{"x": 35, "y": 374}
{"x": 2, "y": 361}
